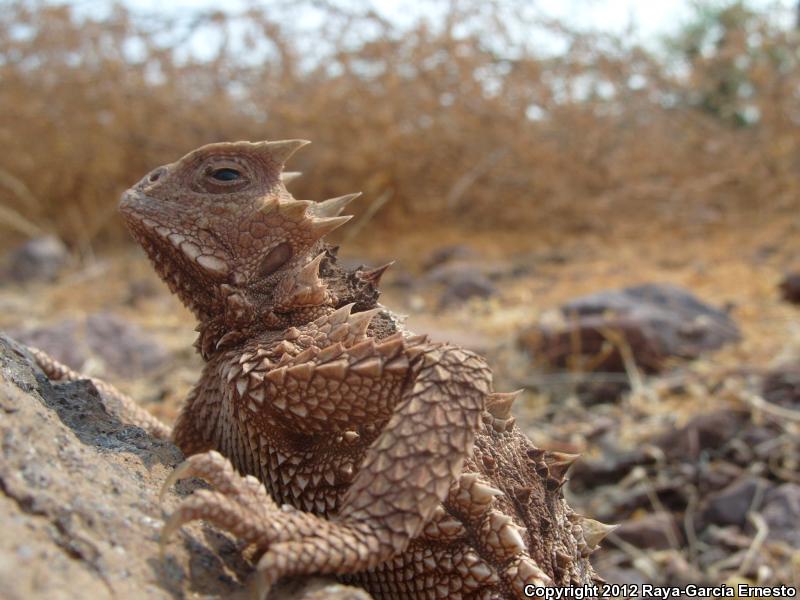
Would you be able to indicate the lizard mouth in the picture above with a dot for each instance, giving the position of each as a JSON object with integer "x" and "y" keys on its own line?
{"x": 131, "y": 200}
{"x": 149, "y": 232}
{"x": 179, "y": 261}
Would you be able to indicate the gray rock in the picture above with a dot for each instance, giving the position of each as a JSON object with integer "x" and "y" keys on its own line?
{"x": 133, "y": 352}
{"x": 494, "y": 271}
{"x": 38, "y": 259}
{"x": 781, "y": 511}
{"x": 79, "y": 507}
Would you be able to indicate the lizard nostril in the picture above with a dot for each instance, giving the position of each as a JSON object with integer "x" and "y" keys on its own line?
{"x": 155, "y": 175}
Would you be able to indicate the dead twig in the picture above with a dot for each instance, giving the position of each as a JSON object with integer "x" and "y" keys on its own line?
{"x": 759, "y": 403}
{"x": 371, "y": 211}
{"x": 463, "y": 183}
{"x": 762, "y": 530}
{"x": 14, "y": 220}
{"x": 688, "y": 524}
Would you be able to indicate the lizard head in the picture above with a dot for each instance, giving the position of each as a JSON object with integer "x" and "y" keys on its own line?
{"x": 227, "y": 237}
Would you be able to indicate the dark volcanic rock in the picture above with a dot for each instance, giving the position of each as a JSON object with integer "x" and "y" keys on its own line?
{"x": 467, "y": 285}
{"x": 38, "y": 259}
{"x": 79, "y": 507}
{"x": 462, "y": 274}
{"x": 729, "y": 506}
{"x": 709, "y": 431}
{"x": 655, "y": 530}
{"x": 790, "y": 288}
{"x": 445, "y": 254}
{"x": 781, "y": 511}
{"x": 684, "y": 326}
{"x": 644, "y": 326}
{"x": 782, "y": 386}
{"x": 611, "y": 467}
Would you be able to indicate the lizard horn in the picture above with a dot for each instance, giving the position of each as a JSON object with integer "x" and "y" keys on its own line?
{"x": 280, "y": 151}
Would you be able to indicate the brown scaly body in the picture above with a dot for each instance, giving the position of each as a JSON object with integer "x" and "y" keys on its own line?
{"x": 385, "y": 459}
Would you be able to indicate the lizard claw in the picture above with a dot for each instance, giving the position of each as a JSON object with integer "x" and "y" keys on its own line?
{"x": 260, "y": 585}
{"x": 182, "y": 471}
{"x": 295, "y": 542}
{"x": 223, "y": 511}
{"x": 211, "y": 466}
{"x": 238, "y": 504}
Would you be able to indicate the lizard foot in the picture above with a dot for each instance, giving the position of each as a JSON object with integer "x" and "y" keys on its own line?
{"x": 292, "y": 541}
{"x": 237, "y": 504}
{"x": 500, "y": 550}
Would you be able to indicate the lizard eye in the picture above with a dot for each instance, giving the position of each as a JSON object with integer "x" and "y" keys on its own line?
{"x": 226, "y": 174}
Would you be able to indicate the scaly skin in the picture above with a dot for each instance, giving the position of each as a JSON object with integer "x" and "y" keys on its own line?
{"x": 385, "y": 459}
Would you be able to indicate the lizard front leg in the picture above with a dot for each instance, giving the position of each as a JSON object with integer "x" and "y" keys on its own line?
{"x": 406, "y": 473}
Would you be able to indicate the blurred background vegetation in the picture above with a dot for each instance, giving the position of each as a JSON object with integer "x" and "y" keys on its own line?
{"x": 465, "y": 114}
{"x": 512, "y": 162}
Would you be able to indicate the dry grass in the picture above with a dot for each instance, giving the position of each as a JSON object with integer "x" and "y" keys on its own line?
{"x": 458, "y": 119}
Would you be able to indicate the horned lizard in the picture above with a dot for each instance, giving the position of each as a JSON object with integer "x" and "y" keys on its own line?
{"x": 335, "y": 441}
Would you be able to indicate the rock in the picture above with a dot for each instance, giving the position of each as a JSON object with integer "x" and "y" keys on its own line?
{"x": 402, "y": 279}
{"x": 452, "y": 272}
{"x": 656, "y": 321}
{"x": 464, "y": 274}
{"x": 468, "y": 285}
{"x": 730, "y": 505}
{"x": 79, "y": 506}
{"x": 790, "y": 288}
{"x": 782, "y": 386}
{"x": 658, "y": 531}
{"x": 781, "y": 510}
{"x": 62, "y": 340}
{"x": 704, "y": 432}
{"x": 140, "y": 289}
{"x": 584, "y": 345}
{"x": 445, "y": 254}
{"x": 133, "y": 352}
{"x": 610, "y": 468}
{"x": 685, "y": 326}
{"x": 38, "y": 259}
{"x": 551, "y": 257}
{"x": 622, "y": 576}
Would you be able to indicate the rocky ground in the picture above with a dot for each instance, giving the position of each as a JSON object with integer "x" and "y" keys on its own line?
{"x": 80, "y": 509}
{"x": 683, "y": 397}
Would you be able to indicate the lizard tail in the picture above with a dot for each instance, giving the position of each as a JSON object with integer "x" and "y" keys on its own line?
{"x": 120, "y": 405}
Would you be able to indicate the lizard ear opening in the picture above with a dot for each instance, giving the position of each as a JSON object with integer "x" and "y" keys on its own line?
{"x": 275, "y": 259}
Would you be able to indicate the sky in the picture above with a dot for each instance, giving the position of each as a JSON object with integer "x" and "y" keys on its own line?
{"x": 652, "y": 18}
